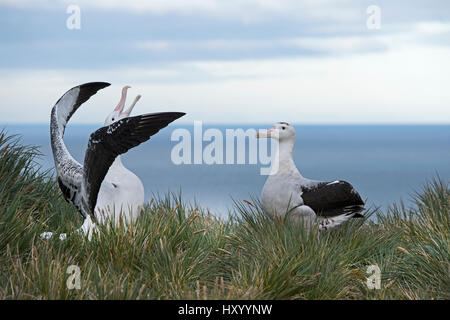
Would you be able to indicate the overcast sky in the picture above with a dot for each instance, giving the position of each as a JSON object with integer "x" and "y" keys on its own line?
{"x": 247, "y": 61}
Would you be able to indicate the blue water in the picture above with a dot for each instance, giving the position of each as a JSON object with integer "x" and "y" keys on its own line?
{"x": 384, "y": 163}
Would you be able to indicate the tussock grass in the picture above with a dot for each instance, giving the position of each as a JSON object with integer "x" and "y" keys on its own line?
{"x": 177, "y": 251}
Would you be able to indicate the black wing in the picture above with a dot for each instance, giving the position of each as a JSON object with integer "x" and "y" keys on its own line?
{"x": 107, "y": 143}
{"x": 333, "y": 198}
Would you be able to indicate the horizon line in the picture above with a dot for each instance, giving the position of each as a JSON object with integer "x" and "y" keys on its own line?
{"x": 2, "y": 124}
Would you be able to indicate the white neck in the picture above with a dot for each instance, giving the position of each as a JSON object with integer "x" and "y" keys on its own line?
{"x": 284, "y": 156}
{"x": 285, "y": 149}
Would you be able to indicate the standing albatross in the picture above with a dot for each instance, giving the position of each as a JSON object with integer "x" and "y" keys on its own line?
{"x": 286, "y": 191}
{"x": 102, "y": 180}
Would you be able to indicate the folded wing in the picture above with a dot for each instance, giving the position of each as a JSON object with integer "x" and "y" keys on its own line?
{"x": 333, "y": 198}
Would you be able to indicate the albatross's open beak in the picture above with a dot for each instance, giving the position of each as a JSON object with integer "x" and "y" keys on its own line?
{"x": 121, "y": 104}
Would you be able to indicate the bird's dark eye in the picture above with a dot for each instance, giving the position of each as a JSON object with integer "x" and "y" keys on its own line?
{"x": 113, "y": 119}
{"x": 283, "y": 128}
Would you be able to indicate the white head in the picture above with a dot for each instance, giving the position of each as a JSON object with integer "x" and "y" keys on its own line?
{"x": 118, "y": 112}
{"x": 281, "y": 131}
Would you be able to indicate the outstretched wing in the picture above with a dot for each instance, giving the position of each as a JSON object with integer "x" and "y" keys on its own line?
{"x": 69, "y": 171}
{"x": 107, "y": 143}
{"x": 332, "y": 198}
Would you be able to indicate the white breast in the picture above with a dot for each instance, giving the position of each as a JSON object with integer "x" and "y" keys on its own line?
{"x": 279, "y": 196}
{"x": 121, "y": 195}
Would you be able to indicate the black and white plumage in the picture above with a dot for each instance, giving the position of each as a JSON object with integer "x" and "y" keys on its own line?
{"x": 286, "y": 191}
{"x": 107, "y": 143}
{"x": 81, "y": 184}
{"x": 329, "y": 199}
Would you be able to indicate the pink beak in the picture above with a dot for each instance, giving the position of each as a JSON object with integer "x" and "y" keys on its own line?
{"x": 123, "y": 98}
{"x": 265, "y": 133}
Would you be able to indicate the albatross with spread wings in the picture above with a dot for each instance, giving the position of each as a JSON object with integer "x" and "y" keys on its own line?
{"x": 102, "y": 180}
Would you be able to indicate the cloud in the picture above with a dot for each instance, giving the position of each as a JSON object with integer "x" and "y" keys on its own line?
{"x": 245, "y": 10}
{"x": 227, "y": 61}
{"x": 400, "y": 86}
{"x": 343, "y": 12}
{"x": 147, "y": 32}
{"x": 418, "y": 34}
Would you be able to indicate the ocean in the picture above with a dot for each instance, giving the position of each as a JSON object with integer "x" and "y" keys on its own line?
{"x": 385, "y": 163}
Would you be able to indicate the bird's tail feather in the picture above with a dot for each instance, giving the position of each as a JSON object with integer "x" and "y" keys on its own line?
{"x": 329, "y": 223}
{"x": 354, "y": 211}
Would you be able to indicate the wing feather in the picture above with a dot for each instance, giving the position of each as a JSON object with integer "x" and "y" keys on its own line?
{"x": 69, "y": 171}
{"x": 332, "y": 198}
